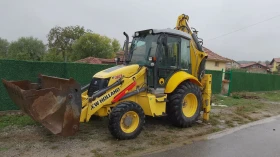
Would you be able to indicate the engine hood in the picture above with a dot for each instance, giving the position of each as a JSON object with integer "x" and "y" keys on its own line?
{"x": 117, "y": 71}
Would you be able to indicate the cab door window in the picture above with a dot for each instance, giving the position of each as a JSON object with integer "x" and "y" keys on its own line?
{"x": 169, "y": 53}
{"x": 185, "y": 55}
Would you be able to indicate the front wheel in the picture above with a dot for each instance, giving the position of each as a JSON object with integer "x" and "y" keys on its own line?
{"x": 185, "y": 104}
{"x": 126, "y": 120}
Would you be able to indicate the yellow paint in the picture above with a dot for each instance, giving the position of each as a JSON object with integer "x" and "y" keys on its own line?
{"x": 190, "y": 104}
{"x": 83, "y": 115}
{"x": 151, "y": 105}
{"x": 274, "y": 66}
{"x": 196, "y": 55}
{"x": 156, "y": 107}
{"x": 178, "y": 78}
{"x": 210, "y": 65}
{"x": 161, "y": 81}
{"x": 120, "y": 69}
{"x": 103, "y": 112}
{"x": 129, "y": 122}
{"x": 206, "y": 95}
{"x": 84, "y": 98}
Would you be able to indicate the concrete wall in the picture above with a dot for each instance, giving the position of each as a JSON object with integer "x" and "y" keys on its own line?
{"x": 256, "y": 69}
{"x": 232, "y": 65}
{"x": 211, "y": 65}
{"x": 274, "y": 66}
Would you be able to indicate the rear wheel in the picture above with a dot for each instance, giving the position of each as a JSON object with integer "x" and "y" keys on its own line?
{"x": 126, "y": 120}
{"x": 185, "y": 104}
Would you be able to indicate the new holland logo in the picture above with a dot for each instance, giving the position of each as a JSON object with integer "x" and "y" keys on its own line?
{"x": 104, "y": 98}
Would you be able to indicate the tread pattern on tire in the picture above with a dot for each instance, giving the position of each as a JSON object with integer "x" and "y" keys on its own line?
{"x": 174, "y": 107}
{"x": 115, "y": 119}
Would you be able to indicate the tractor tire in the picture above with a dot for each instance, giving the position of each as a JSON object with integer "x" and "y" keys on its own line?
{"x": 185, "y": 104}
{"x": 123, "y": 128}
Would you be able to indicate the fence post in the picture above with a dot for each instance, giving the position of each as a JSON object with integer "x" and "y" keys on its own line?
{"x": 221, "y": 86}
{"x": 229, "y": 85}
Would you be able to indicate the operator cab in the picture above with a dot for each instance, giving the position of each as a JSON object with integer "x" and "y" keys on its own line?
{"x": 164, "y": 52}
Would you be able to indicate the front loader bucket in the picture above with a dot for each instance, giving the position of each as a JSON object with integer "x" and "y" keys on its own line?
{"x": 53, "y": 102}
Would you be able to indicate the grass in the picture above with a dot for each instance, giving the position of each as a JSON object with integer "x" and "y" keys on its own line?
{"x": 270, "y": 95}
{"x": 3, "y": 149}
{"x": 97, "y": 153}
{"x": 231, "y": 101}
{"x": 54, "y": 147}
{"x": 163, "y": 140}
{"x": 15, "y": 120}
{"x": 238, "y": 120}
{"x": 214, "y": 121}
{"x": 229, "y": 123}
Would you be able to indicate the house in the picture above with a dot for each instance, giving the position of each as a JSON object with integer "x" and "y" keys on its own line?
{"x": 274, "y": 64}
{"x": 215, "y": 61}
{"x": 232, "y": 64}
{"x": 255, "y": 67}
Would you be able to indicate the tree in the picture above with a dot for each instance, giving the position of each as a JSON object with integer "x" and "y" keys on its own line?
{"x": 60, "y": 39}
{"x": 52, "y": 56}
{"x": 26, "y": 48}
{"x": 116, "y": 45}
{"x": 95, "y": 45}
{"x": 4, "y": 44}
{"x": 267, "y": 63}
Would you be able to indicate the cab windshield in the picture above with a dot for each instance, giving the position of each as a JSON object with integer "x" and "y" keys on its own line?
{"x": 142, "y": 48}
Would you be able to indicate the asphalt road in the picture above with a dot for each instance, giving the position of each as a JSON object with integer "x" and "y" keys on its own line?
{"x": 259, "y": 140}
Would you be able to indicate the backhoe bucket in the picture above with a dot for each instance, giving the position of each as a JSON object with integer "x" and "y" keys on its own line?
{"x": 53, "y": 102}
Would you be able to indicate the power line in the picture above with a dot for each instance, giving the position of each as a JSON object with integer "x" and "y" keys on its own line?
{"x": 244, "y": 27}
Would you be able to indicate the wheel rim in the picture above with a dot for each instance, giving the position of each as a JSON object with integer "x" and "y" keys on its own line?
{"x": 129, "y": 122}
{"x": 190, "y": 104}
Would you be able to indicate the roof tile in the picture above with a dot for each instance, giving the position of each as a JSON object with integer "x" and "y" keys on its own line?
{"x": 214, "y": 56}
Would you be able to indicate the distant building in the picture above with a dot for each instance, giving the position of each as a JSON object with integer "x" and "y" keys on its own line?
{"x": 232, "y": 64}
{"x": 274, "y": 64}
{"x": 255, "y": 67}
{"x": 215, "y": 61}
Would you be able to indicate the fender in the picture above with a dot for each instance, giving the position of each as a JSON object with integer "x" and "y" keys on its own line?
{"x": 178, "y": 78}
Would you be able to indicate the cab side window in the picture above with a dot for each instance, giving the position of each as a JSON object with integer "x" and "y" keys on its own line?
{"x": 169, "y": 55}
{"x": 185, "y": 55}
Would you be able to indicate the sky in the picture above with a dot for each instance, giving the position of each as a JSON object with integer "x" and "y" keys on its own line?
{"x": 217, "y": 21}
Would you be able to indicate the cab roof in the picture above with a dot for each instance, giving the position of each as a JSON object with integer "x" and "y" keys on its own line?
{"x": 169, "y": 31}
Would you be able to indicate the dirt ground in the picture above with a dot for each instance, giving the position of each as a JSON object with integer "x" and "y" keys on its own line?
{"x": 20, "y": 136}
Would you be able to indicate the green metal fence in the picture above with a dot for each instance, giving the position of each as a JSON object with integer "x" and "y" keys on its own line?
{"x": 216, "y": 80}
{"x": 23, "y": 70}
{"x": 242, "y": 81}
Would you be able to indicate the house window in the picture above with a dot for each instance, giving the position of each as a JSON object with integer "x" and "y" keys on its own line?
{"x": 216, "y": 64}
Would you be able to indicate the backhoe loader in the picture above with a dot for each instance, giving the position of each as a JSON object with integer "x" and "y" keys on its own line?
{"x": 163, "y": 74}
